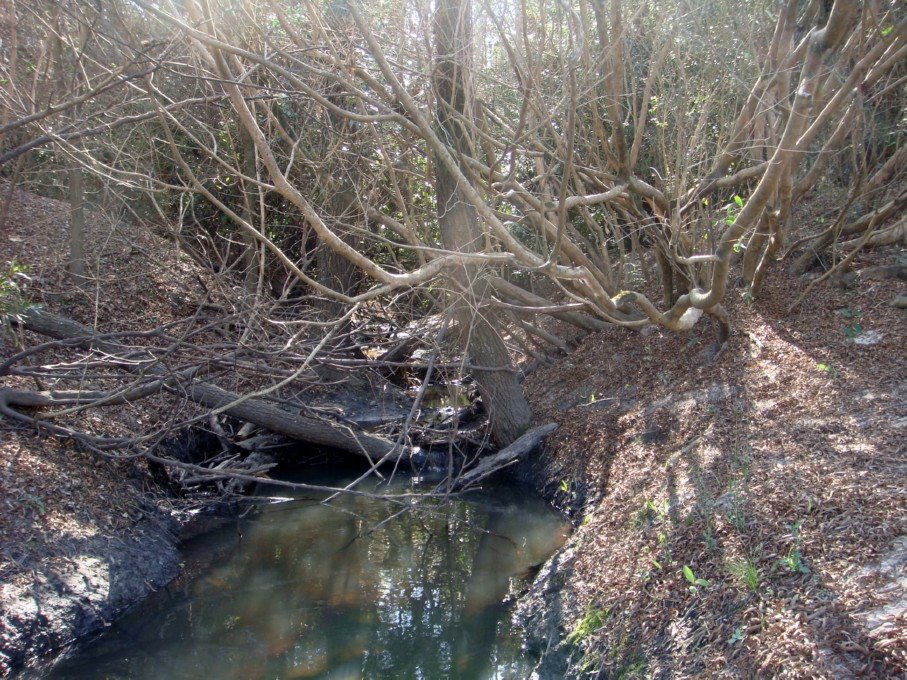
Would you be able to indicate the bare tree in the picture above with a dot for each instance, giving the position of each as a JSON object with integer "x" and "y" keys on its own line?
{"x": 509, "y": 162}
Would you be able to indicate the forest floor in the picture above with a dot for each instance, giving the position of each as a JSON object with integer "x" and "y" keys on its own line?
{"x": 83, "y": 537}
{"x": 740, "y": 515}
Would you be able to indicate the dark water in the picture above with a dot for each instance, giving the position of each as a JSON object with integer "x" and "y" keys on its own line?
{"x": 340, "y": 591}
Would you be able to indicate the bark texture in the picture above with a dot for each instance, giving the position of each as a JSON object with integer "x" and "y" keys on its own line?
{"x": 461, "y": 230}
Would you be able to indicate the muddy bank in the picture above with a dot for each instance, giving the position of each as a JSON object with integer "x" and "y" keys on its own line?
{"x": 83, "y": 586}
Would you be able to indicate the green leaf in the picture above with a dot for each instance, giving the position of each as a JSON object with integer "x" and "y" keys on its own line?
{"x": 853, "y": 330}
{"x": 689, "y": 575}
{"x": 887, "y": 30}
{"x": 738, "y": 200}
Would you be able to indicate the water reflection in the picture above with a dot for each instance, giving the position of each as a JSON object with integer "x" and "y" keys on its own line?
{"x": 307, "y": 590}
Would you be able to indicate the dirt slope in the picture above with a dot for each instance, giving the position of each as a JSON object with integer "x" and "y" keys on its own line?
{"x": 745, "y": 515}
{"x": 81, "y": 537}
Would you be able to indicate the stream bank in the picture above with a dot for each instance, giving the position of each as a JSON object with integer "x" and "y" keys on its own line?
{"x": 739, "y": 515}
{"x": 773, "y": 472}
{"x": 83, "y": 588}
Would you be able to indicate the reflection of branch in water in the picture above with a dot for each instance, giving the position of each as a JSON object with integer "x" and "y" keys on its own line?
{"x": 503, "y": 537}
{"x": 488, "y": 583}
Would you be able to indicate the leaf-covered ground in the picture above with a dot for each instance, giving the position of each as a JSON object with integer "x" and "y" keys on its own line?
{"x": 749, "y": 512}
{"x": 81, "y": 536}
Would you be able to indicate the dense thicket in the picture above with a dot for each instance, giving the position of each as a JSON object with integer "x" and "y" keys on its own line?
{"x": 498, "y": 161}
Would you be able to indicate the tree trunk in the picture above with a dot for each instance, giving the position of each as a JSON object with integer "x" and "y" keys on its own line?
{"x": 497, "y": 381}
{"x": 251, "y": 265}
{"x": 76, "y": 263}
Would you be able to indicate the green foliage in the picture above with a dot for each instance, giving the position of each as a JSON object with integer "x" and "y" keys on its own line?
{"x": 708, "y": 535}
{"x": 852, "y": 330}
{"x": 828, "y": 369}
{"x": 793, "y": 561}
{"x": 736, "y": 511}
{"x": 34, "y": 502}
{"x": 748, "y": 298}
{"x": 745, "y": 571}
{"x": 650, "y": 512}
{"x": 737, "y": 636}
{"x": 695, "y": 583}
{"x": 591, "y": 621}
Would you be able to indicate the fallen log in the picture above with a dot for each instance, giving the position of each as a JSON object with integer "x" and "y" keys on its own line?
{"x": 296, "y": 426}
{"x": 506, "y": 456}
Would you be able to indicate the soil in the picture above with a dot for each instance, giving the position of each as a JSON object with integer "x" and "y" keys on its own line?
{"x": 740, "y": 515}
{"x": 82, "y": 536}
{"x": 737, "y": 515}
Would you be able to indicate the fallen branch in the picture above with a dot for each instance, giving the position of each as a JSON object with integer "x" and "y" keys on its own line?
{"x": 506, "y": 456}
{"x": 268, "y": 416}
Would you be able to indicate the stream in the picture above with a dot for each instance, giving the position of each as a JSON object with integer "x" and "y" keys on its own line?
{"x": 350, "y": 589}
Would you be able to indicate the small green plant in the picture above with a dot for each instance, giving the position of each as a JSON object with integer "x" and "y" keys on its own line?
{"x": 736, "y": 510}
{"x": 852, "y": 330}
{"x": 592, "y": 620}
{"x": 695, "y": 583}
{"x": 34, "y": 501}
{"x": 664, "y": 548}
{"x": 708, "y": 536}
{"x": 736, "y": 637}
{"x": 793, "y": 561}
{"x": 828, "y": 369}
{"x": 645, "y": 514}
{"x": 748, "y": 298}
{"x": 745, "y": 571}
{"x": 649, "y": 512}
